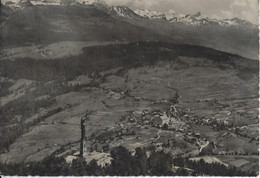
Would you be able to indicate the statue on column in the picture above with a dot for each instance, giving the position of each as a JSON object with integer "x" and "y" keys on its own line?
{"x": 82, "y": 125}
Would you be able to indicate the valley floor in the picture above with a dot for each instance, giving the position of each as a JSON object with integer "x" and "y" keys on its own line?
{"x": 188, "y": 112}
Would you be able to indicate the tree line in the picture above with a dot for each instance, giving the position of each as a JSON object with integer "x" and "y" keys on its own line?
{"x": 123, "y": 163}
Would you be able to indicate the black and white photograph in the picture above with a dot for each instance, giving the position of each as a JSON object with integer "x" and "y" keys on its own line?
{"x": 129, "y": 88}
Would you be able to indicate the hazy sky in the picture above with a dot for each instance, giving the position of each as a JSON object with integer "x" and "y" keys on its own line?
{"x": 244, "y": 9}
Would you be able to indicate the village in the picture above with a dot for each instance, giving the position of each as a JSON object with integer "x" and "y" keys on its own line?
{"x": 136, "y": 109}
{"x": 170, "y": 130}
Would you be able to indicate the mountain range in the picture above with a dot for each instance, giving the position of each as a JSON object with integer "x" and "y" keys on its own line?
{"x": 123, "y": 11}
{"x": 230, "y": 35}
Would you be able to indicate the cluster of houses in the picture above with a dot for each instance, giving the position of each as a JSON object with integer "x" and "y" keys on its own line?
{"x": 224, "y": 122}
{"x": 170, "y": 119}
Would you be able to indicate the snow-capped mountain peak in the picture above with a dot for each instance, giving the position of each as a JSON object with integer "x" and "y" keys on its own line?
{"x": 150, "y": 14}
{"x": 170, "y": 14}
{"x": 89, "y": 2}
{"x": 191, "y": 19}
{"x": 120, "y": 10}
{"x": 124, "y": 12}
{"x": 16, "y": 5}
{"x": 20, "y": 4}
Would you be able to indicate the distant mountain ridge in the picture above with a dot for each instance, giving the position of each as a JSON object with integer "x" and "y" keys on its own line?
{"x": 98, "y": 21}
{"x": 125, "y": 12}
{"x": 196, "y": 19}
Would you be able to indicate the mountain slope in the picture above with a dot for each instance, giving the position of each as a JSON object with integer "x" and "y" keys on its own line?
{"x": 92, "y": 20}
{"x": 5, "y": 12}
{"x": 234, "y": 39}
{"x": 231, "y": 35}
{"x": 123, "y": 11}
{"x": 46, "y": 24}
{"x": 100, "y": 58}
